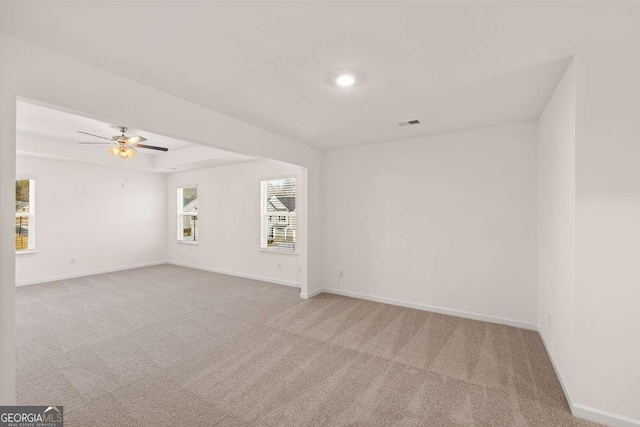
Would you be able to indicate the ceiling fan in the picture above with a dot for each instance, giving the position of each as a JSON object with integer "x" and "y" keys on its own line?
{"x": 123, "y": 146}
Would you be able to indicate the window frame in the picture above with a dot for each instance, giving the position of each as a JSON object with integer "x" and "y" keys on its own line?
{"x": 264, "y": 216}
{"x": 180, "y": 214}
{"x": 31, "y": 240}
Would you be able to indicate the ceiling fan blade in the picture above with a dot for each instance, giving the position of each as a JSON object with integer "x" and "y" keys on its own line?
{"x": 95, "y": 143}
{"x": 151, "y": 147}
{"x": 136, "y": 139}
{"x": 97, "y": 136}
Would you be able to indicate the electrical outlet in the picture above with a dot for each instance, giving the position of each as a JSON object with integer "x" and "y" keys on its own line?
{"x": 279, "y": 266}
{"x": 72, "y": 261}
{"x": 341, "y": 274}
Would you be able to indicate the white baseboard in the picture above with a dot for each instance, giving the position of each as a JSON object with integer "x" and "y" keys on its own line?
{"x": 234, "y": 273}
{"x": 88, "y": 273}
{"x": 587, "y": 412}
{"x": 603, "y": 417}
{"x": 435, "y": 309}
{"x": 311, "y": 294}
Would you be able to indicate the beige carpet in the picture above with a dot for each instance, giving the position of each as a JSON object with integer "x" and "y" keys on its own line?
{"x": 170, "y": 346}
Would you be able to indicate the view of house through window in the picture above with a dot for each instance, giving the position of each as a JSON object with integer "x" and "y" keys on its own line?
{"x": 279, "y": 214}
{"x": 188, "y": 214}
{"x": 25, "y": 215}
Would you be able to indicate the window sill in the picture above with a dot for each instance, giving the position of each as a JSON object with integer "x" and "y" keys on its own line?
{"x": 186, "y": 242}
{"x": 27, "y": 252}
{"x": 278, "y": 251}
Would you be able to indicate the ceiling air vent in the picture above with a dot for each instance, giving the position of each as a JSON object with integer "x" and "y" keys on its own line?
{"x": 409, "y": 123}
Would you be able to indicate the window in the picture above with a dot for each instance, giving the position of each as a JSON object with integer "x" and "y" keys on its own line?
{"x": 25, "y": 215}
{"x": 278, "y": 217}
{"x": 188, "y": 214}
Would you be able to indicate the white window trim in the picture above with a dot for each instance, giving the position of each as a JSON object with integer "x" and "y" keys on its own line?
{"x": 263, "y": 247}
{"x": 179, "y": 235}
{"x": 280, "y": 251}
{"x": 26, "y": 252}
{"x": 31, "y": 215}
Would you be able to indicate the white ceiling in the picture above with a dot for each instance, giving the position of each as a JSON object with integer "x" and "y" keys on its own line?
{"x": 48, "y": 132}
{"x": 453, "y": 65}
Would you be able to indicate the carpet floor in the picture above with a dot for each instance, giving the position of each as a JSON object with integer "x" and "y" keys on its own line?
{"x": 171, "y": 346}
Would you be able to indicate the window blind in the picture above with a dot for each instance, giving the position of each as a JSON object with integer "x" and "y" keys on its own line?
{"x": 278, "y": 214}
{"x": 25, "y": 215}
{"x": 188, "y": 214}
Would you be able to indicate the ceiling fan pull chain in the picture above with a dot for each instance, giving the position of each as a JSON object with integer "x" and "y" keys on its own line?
{"x": 126, "y": 173}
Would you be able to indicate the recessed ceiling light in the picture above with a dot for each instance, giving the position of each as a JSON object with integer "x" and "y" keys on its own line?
{"x": 345, "y": 79}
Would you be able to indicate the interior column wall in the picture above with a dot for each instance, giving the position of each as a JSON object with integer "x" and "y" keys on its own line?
{"x": 608, "y": 230}
{"x": 556, "y": 227}
{"x": 7, "y": 230}
{"x": 589, "y": 243}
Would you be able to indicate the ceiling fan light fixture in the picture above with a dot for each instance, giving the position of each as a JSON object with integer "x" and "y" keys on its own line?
{"x": 123, "y": 147}
{"x": 123, "y": 152}
{"x": 127, "y": 153}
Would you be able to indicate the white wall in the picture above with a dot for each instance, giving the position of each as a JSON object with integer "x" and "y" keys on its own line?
{"x": 608, "y": 230}
{"x": 84, "y": 212}
{"x": 447, "y": 221}
{"x": 229, "y": 222}
{"x": 556, "y": 226}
